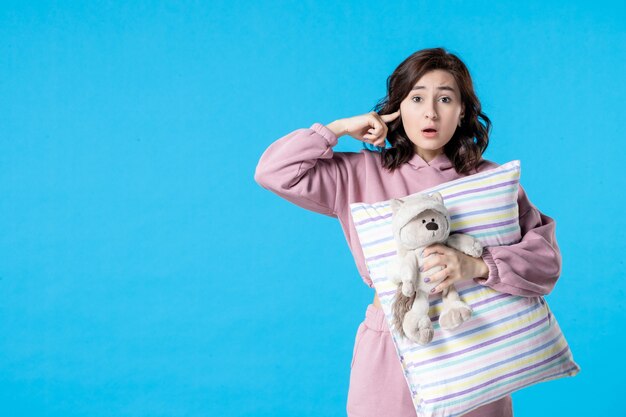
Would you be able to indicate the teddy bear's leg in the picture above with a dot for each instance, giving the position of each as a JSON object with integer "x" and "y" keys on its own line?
{"x": 455, "y": 311}
{"x": 416, "y": 324}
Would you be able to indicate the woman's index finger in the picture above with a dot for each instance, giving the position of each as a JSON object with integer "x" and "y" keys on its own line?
{"x": 375, "y": 124}
{"x": 390, "y": 117}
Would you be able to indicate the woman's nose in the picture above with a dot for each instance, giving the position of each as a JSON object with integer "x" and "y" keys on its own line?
{"x": 430, "y": 112}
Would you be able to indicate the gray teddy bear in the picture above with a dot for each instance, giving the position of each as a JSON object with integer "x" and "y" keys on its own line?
{"x": 419, "y": 221}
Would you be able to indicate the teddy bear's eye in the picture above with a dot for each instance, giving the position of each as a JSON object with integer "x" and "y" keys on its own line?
{"x": 423, "y": 221}
{"x": 433, "y": 219}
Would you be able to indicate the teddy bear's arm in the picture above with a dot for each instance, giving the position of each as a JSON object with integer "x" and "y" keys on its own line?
{"x": 393, "y": 270}
{"x": 409, "y": 267}
{"x": 409, "y": 273}
{"x": 466, "y": 244}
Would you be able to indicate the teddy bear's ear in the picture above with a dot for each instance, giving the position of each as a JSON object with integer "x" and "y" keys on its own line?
{"x": 395, "y": 204}
{"x": 437, "y": 196}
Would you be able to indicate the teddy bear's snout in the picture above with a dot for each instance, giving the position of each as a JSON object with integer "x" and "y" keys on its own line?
{"x": 432, "y": 226}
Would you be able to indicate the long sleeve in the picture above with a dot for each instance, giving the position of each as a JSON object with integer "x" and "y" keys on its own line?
{"x": 302, "y": 168}
{"x": 530, "y": 267}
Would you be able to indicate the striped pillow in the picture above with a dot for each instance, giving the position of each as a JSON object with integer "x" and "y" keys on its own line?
{"x": 510, "y": 342}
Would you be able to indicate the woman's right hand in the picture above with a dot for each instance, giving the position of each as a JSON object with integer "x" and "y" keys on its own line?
{"x": 370, "y": 127}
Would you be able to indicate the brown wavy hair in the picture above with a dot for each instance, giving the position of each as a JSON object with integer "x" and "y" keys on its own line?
{"x": 469, "y": 141}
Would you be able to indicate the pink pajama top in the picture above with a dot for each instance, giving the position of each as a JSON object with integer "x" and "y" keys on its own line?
{"x": 302, "y": 168}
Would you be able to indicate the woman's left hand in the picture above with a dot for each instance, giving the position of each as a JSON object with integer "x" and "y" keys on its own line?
{"x": 456, "y": 266}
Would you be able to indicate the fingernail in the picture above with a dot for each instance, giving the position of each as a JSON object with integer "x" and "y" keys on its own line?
{"x": 426, "y": 279}
{"x": 433, "y": 290}
{"x": 421, "y": 269}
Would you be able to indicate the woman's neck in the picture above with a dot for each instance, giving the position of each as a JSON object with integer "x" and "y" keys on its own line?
{"x": 428, "y": 155}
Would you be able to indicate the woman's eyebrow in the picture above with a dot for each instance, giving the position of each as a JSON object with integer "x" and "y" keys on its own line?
{"x": 441, "y": 87}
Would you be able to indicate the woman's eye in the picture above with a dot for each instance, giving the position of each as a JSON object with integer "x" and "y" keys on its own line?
{"x": 417, "y": 99}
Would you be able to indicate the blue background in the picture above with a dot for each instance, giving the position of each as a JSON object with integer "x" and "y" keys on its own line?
{"x": 143, "y": 272}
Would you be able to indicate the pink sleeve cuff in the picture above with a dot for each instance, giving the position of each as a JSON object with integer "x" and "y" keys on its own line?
{"x": 493, "y": 278}
{"x": 328, "y": 134}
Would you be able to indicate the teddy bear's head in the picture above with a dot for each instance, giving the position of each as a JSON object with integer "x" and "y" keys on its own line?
{"x": 420, "y": 220}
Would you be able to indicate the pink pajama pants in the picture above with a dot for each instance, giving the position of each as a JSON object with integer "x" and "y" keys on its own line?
{"x": 377, "y": 384}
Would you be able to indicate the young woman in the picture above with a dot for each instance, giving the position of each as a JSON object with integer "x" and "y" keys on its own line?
{"x": 437, "y": 132}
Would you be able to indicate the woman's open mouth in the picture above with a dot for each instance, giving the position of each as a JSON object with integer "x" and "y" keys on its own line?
{"x": 429, "y": 133}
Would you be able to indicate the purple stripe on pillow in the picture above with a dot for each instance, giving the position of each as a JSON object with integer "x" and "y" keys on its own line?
{"x": 487, "y": 226}
{"x": 475, "y": 190}
{"x": 519, "y": 371}
{"x": 376, "y": 242}
{"x": 481, "y": 345}
{"x": 466, "y": 291}
{"x": 488, "y": 300}
{"x": 371, "y": 219}
{"x": 479, "y": 329}
{"x": 516, "y": 386}
{"x": 488, "y": 210}
{"x": 483, "y": 327}
{"x": 382, "y": 255}
{"x": 494, "y": 365}
{"x": 476, "y": 177}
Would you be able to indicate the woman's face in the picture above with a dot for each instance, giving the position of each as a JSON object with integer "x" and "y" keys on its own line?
{"x": 434, "y": 102}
